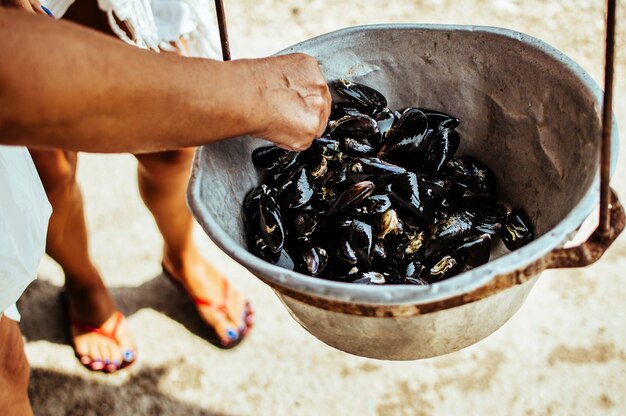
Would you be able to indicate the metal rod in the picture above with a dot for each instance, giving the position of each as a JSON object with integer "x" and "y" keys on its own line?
{"x": 607, "y": 121}
{"x": 221, "y": 22}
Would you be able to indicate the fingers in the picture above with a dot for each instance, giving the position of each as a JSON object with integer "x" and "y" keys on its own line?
{"x": 295, "y": 103}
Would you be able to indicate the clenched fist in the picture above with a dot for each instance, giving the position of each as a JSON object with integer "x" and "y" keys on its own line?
{"x": 293, "y": 100}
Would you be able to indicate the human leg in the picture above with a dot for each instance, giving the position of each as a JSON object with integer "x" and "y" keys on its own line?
{"x": 163, "y": 181}
{"x": 89, "y": 301}
{"x": 14, "y": 370}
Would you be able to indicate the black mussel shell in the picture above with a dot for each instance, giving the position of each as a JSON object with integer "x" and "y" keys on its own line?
{"x": 297, "y": 190}
{"x": 273, "y": 158}
{"x": 324, "y": 147}
{"x": 374, "y": 205}
{"x": 370, "y": 278}
{"x": 439, "y": 120}
{"x": 412, "y": 193}
{"x": 518, "y": 230}
{"x": 358, "y": 148}
{"x": 339, "y": 110}
{"x": 359, "y": 126}
{"x": 364, "y": 168}
{"x": 361, "y": 240}
{"x": 362, "y": 96}
{"x": 403, "y": 140}
{"x": 344, "y": 251}
{"x": 385, "y": 119}
{"x": 305, "y": 224}
{"x": 379, "y": 251}
{"x": 352, "y": 197}
{"x": 475, "y": 182}
{"x": 271, "y": 223}
{"x": 440, "y": 191}
{"x": 437, "y": 149}
{"x": 491, "y": 219}
{"x": 473, "y": 252}
{"x": 414, "y": 270}
{"x": 447, "y": 232}
{"x": 315, "y": 259}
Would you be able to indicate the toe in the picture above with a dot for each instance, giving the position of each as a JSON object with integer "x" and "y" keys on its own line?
{"x": 227, "y": 330}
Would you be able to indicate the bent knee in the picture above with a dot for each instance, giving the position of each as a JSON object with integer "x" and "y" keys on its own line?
{"x": 56, "y": 168}
{"x": 166, "y": 162}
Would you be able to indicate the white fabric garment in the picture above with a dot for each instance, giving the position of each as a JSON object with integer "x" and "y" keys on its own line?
{"x": 24, "y": 215}
{"x": 186, "y": 26}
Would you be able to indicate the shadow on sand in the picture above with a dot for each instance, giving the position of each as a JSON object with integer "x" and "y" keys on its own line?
{"x": 54, "y": 393}
{"x": 42, "y": 303}
{"x": 58, "y": 394}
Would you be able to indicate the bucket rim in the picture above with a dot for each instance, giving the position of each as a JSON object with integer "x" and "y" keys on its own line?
{"x": 392, "y": 295}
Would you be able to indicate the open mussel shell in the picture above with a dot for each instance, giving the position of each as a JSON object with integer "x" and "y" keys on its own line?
{"x": 271, "y": 223}
{"x": 518, "y": 230}
{"x": 411, "y": 192}
{"x": 361, "y": 96}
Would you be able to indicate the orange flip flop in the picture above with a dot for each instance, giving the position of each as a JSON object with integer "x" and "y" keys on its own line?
{"x": 128, "y": 355}
{"x": 220, "y": 308}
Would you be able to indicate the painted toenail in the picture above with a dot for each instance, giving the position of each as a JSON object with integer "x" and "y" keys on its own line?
{"x": 97, "y": 365}
{"x": 232, "y": 334}
{"x": 116, "y": 363}
{"x": 106, "y": 361}
{"x": 128, "y": 355}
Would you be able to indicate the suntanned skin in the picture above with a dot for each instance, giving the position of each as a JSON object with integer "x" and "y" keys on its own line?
{"x": 138, "y": 101}
{"x": 60, "y": 84}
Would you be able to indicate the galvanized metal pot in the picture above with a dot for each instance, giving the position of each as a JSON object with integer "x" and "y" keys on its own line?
{"x": 526, "y": 110}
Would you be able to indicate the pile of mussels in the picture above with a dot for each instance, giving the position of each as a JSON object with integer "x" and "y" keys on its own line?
{"x": 380, "y": 198}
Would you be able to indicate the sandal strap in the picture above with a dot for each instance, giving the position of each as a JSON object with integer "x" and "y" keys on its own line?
{"x": 222, "y": 308}
{"x": 119, "y": 317}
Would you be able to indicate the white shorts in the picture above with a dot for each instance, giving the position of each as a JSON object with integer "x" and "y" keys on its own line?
{"x": 24, "y": 215}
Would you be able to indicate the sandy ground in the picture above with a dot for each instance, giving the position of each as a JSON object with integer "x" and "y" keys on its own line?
{"x": 563, "y": 353}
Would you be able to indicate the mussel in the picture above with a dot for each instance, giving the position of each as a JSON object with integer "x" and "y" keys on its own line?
{"x": 381, "y": 198}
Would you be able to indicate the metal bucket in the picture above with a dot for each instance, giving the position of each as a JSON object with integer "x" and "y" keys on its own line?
{"x": 526, "y": 110}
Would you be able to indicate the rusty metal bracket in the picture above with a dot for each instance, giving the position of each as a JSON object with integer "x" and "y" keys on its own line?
{"x": 591, "y": 250}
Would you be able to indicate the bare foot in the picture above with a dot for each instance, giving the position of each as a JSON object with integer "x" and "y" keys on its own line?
{"x": 218, "y": 303}
{"x": 101, "y": 338}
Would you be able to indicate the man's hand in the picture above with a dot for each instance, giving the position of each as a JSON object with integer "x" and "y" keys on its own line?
{"x": 32, "y": 6}
{"x": 294, "y": 101}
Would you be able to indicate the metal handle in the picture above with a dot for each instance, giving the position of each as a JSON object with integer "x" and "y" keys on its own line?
{"x": 221, "y": 23}
{"x": 591, "y": 250}
{"x": 612, "y": 220}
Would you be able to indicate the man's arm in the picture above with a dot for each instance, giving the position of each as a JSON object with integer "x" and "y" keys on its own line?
{"x": 65, "y": 86}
